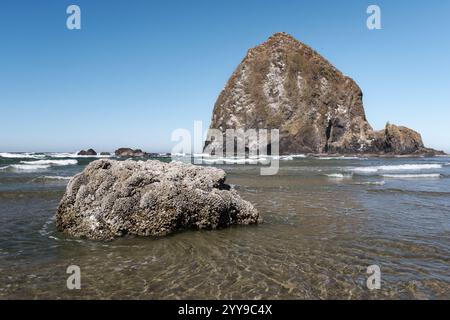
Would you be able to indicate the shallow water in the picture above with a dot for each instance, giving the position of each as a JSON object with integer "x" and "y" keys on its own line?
{"x": 325, "y": 222}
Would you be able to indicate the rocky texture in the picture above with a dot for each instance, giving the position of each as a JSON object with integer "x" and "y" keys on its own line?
{"x": 129, "y": 153}
{"x": 398, "y": 140}
{"x": 137, "y": 153}
{"x": 89, "y": 152}
{"x": 149, "y": 198}
{"x": 284, "y": 84}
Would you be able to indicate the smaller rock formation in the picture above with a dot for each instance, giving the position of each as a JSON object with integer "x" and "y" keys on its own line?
{"x": 89, "y": 152}
{"x": 399, "y": 140}
{"x": 149, "y": 198}
{"x": 105, "y": 154}
{"x": 130, "y": 153}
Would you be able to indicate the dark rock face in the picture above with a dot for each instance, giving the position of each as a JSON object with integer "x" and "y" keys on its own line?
{"x": 284, "y": 84}
{"x": 89, "y": 152}
{"x": 399, "y": 140}
{"x": 130, "y": 153}
{"x": 149, "y": 198}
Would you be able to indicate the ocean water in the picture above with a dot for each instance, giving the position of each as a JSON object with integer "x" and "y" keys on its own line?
{"x": 325, "y": 221}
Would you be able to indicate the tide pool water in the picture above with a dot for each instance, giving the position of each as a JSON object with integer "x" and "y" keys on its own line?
{"x": 326, "y": 220}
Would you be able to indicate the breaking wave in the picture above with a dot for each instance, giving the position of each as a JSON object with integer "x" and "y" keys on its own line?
{"x": 26, "y": 167}
{"x": 12, "y": 155}
{"x": 74, "y": 155}
{"x": 401, "y": 167}
{"x": 207, "y": 158}
{"x": 373, "y": 183}
{"x": 44, "y": 179}
{"x": 341, "y": 158}
{"x": 288, "y": 157}
{"x": 56, "y": 178}
{"x": 413, "y": 176}
{"x": 296, "y": 156}
{"x": 235, "y": 161}
{"x": 339, "y": 176}
{"x": 51, "y": 162}
{"x": 38, "y": 165}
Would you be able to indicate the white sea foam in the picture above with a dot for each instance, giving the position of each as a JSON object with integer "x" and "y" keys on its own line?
{"x": 26, "y": 167}
{"x": 196, "y": 155}
{"x": 256, "y": 157}
{"x": 51, "y": 162}
{"x": 179, "y": 154}
{"x": 74, "y": 155}
{"x": 283, "y": 158}
{"x": 366, "y": 170}
{"x": 401, "y": 167}
{"x": 56, "y": 178}
{"x": 31, "y": 155}
{"x": 21, "y": 155}
{"x": 374, "y": 183}
{"x": 297, "y": 155}
{"x": 413, "y": 176}
{"x": 38, "y": 165}
{"x": 209, "y": 159}
{"x": 341, "y": 158}
{"x": 46, "y": 178}
{"x": 44, "y": 231}
{"x": 288, "y": 157}
{"x": 339, "y": 176}
{"x": 236, "y": 161}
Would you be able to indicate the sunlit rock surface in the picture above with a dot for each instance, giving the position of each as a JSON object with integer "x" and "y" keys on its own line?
{"x": 149, "y": 198}
{"x": 284, "y": 84}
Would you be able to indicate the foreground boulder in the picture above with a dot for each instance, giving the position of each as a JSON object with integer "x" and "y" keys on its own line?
{"x": 284, "y": 84}
{"x": 149, "y": 198}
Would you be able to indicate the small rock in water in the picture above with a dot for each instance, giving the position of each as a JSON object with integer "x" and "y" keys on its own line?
{"x": 129, "y": 153}
{"x": 149, "y": 198}
{"x": 89, "y": 152}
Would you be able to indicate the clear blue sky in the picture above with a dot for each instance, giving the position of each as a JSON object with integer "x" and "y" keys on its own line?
{"x": 139, "y": 69}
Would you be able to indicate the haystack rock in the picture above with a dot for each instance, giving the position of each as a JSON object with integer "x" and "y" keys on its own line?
{"x": 149, "y": 198}
{"x": 284, "y": 84}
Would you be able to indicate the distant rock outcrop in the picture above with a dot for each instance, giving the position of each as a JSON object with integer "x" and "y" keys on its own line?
{"x": 400, "y": 140}
{"x": 284, "y": 84}
{"x": 89, "y": 152}
{"x": 149, "y": 198}
{"x": 130, "y": 153}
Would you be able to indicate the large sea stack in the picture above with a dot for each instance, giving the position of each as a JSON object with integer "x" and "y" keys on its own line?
{"x": 284, "y": 84}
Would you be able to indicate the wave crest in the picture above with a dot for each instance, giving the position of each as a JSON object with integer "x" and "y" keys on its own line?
{"x": 12, "y": 155}
{"x": 413, "y": 176}
{"x": 51, "y": 162}
{"x": 400, "y": 167}
{"x": 26, "y": 167}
